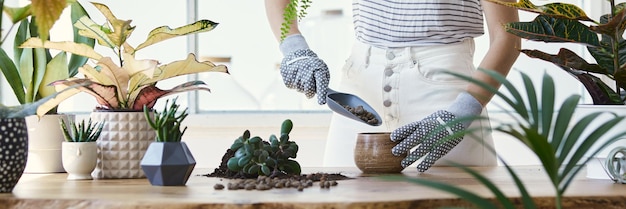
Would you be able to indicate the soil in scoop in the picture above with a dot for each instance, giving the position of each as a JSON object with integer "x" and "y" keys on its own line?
{"x": 223, "y": 172}
{"x": 362, "y": 114}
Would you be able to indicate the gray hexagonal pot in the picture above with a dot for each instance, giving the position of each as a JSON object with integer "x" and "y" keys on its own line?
{"x": 168, "y": 163}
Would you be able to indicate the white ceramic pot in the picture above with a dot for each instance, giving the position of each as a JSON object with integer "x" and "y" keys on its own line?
{"x": 79, "y": 159}
{"x": 44, "y": 143}
{"x": 124, "y": 140}
{"x": 596, "y": 167}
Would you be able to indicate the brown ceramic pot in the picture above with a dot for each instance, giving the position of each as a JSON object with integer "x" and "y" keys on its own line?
{"x": 372, "y": 153}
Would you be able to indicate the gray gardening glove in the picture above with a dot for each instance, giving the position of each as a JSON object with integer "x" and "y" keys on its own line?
{"x": 416, "y": 133}
{"x": 302, "y": 69}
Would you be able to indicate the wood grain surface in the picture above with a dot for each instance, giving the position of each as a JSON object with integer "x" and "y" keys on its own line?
{"x": 363, "y": 191}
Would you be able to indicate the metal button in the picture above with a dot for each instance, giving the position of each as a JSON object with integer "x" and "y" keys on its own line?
{"x": 388, "y": 72}
{"x": 387, "y": 88}
{"x": 387, "y": 103}
{"x": 390, "y": 55}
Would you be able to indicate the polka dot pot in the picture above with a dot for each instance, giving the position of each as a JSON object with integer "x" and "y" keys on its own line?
{"x": 13, "y": 151}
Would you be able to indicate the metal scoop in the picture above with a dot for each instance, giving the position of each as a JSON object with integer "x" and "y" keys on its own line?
{"x": 337, "y": 100}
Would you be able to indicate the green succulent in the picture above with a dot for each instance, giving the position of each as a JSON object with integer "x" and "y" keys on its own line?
{"x": 254, "y": 156}
{"x": 167, "y": 123}
{"x": 82, "y": 132}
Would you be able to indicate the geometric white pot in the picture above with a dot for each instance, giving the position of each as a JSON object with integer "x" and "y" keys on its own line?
{"x": 44, "y": 143}
{"x": 124, "y": 140}
{"x": 596, "y": 165}
{"x": 79, "y": 159}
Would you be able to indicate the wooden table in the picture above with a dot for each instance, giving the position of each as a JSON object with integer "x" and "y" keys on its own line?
{"x": 364, "y": 191}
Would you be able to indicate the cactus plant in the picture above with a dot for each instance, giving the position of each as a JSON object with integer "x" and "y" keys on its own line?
{"x": 254, "y": 156}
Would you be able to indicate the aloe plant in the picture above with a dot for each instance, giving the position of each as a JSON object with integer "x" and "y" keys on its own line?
{"x": 31, "y": 70}
{"x": 123, "y": 82}
{"x": 167, "y": 123}
{"x": 562, "y": 149}
{"x": 568, "y": 23}
{"x": 81, "y": 132}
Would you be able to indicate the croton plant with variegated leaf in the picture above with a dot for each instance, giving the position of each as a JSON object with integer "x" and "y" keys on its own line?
{"x": 126, "y": 83}
{"x": 567, "y": 23}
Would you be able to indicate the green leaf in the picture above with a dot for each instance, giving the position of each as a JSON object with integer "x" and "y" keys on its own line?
{"x": 243, "y": 160}
{"x": 233, "y": 164}
{"x": 56, "y": 69}
{"x": 17, "y": 14}
{"x": 562, "y": 10}
{"x": 76, "y": 61}
{"x": 286, "y": 127}
{"x": 569, "y": 59}
{"x": 12, "y": 75}
{"x": 254, "y": 169}
{"x": 550, "y": 29}
{"x": 266, "y": 170}
{"x": 236, "y": 145}
{"x": 90, "y": 29}
{"x": 121, "y": 28}
{"x": 164, "y": 32}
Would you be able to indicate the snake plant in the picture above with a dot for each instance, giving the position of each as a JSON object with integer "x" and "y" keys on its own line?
{"x": 30, "y": 71}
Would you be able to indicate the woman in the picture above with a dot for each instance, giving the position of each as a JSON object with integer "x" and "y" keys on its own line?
{"x": 397, "y": 65}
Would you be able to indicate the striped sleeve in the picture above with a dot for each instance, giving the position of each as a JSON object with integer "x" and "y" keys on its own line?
{"x": 399, "y": 23}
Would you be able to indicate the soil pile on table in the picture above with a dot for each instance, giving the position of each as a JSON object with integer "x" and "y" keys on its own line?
{"x": 326, "y": 179}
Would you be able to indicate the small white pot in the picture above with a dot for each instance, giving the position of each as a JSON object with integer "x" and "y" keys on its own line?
{"x": 79, "y": 159}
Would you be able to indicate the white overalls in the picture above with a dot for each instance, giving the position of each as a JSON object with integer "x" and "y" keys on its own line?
{"x": 405, "y": 85}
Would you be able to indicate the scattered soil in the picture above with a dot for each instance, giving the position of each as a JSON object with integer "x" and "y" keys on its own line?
{"x": 363, "y": 114}
{"x": 280, "y": 180}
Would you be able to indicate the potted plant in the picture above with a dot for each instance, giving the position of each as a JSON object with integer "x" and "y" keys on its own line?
{"x": 603, "y": 39}
{"x": 123, "y": 85}
{"x": 14, "y": 138}
{"x": 79, "y": 148}
{"x": 30, "y": 71}
{"x": 168, "y": 161}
